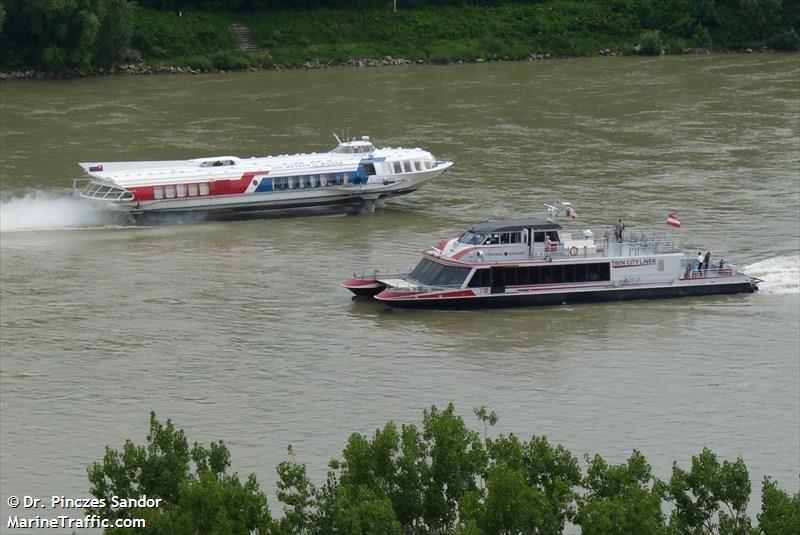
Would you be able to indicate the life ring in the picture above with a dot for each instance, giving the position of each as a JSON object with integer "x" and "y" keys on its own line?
{"x": 573, "y": 251}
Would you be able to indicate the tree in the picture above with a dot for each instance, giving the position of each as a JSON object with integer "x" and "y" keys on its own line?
{"x": 207, "y": 500}
{"x": 620, "y": 499}
{"x": 711, "y": 498}
{"x": 780, "y": 514}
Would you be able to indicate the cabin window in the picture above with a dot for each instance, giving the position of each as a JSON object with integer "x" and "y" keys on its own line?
{"x": 158, "y": 192}
{"x": 429, "y": 164}
{"x": 315, "y": 181}
{"x": 204, "y": 189}
{"x": 180, "y": 189}
{"x": 340, "y": 180}
{"x": 323, "y": 180}
{"x": 432, "y": 273}
{"x": 169, "y": 192}
{"x": 192, "y": 190}
{"x": 296, "y": 183}
{"x": 407, "y": 166}
{"x": 538, "y": 237}
{"x": 493, "y": 239}
{"x": 472, "y": 238}
{"x": 480, "y": 279}
{"x": 398, "y": 168}
{"x": 553, "y": 235}
{"x": 306, "y": 181}
{"x": 369, "y": 168}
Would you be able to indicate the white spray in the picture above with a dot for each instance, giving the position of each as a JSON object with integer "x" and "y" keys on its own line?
{"x": 781, "y": 274}
{"x": 43, "y": 211}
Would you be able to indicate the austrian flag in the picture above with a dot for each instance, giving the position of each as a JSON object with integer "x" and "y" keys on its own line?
{"x": 672, "y": 221}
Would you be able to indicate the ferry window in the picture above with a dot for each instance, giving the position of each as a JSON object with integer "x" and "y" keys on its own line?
{"x": 480, "y": 279}
{"x": 538, "y": 237}
{"x": 296, "y": 184}
{"x": 398, "y": 167}
{"x": 429, "y": 165}
{"x": 307, "y": 181}
{"x": 418, "y": 165}
{"x": 158, "y": 192}
{"x": 203, "y": 189}
{"x": 169, "y": 192}
{"x": 180, "y": 189}
{"x": 315, "y": 181}
{"x": 505, "y": 238}
{"x": 493, "y": 239}
{"x": 472, "y": 238}
{"x": 369, "y": 168}
{"x": 340, "y": 179}
{"x": 323, "y": 180}
{"x": 192, "y": 189}
{"x": 515, "y": 237}
{"x": 407, "y": 166}
{"x": 432, "y": 273}
{"x": 553, "y": 235}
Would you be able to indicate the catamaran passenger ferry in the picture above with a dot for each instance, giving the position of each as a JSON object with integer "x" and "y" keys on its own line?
{"x": 355, "y": 172}
{"x": 537, "y": 262}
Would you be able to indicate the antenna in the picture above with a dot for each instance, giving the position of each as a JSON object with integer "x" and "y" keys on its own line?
{"x": 338, "y": 141}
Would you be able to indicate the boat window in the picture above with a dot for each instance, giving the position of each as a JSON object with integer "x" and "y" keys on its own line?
{"x": 315, "y": 181}
{"x": 418, "y": 165}
{"x": 398, "y": 168}
{"x": 504, "y": 237}
{"x": 538, "y": 237}
{"x": 158, "y": 192}
{"x": 472, "y": 238}
{"x": 554, "y": 274}
{"x": 369, "y": 168}
{"x": 180, "y": 189}
{"x": 553, "y": 235}
{"x": 192, "y": 189}
{"x": 296, "y": 183}
{"x": 480, "y": 279}
{"x": 204, "y": 189}
{"x": 307, "y": 181}
{"x": 343, "y": 149}
{"x": 432, "y": 273}
{"x": 407, "y": 166}
{"x": 429, "y": 164}
{"x": 340, "y": 179}
{"x": 169, "y": 192}
{"x": 493, "y": 239}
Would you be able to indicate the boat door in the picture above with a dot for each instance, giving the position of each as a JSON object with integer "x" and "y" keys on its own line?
{"x": 497, "y": 280}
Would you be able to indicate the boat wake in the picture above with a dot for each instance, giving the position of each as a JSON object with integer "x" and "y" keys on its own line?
{"x": 41, "y": 210}
{"x": 781, "y": 274}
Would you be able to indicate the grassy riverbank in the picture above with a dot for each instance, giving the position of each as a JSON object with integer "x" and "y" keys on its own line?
{"x": 440, "y": 35}
{"x": 202, "y": 40}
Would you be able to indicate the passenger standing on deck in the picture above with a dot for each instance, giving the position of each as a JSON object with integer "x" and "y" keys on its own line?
{"x": 620, "y": 230}
{"x": 700, "y": 258}
{"x": 707, "y": 262}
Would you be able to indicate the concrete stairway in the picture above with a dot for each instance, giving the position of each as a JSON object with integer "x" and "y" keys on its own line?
{"x": 242, "y": 35}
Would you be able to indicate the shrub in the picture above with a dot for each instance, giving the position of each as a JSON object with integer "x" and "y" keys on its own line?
{"x": 651, "y": 43}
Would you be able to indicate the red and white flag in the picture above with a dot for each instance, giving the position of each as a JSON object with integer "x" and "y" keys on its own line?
{"x": 672, "y": 221}
{"x": 571, "y": 213}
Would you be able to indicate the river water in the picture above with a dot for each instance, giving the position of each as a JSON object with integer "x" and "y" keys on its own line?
{"x": 239, "y": 330}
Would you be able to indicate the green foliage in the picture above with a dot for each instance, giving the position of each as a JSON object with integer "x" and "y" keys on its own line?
{"x": 710, "y": 498}
{"x": 2, "y": 15}
{"x": 208, "y": 500}
{"x": 650, "y": 43}
{"x": 621, "y": 499}
{"x": 440, "y": 479}
{"x": 780, "y": 513}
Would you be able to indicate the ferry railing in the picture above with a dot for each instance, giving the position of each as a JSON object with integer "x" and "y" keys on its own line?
{"x": 727, "y": 270}
{"x": 381, "y": 274}
{"x": 86, "y": 188}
